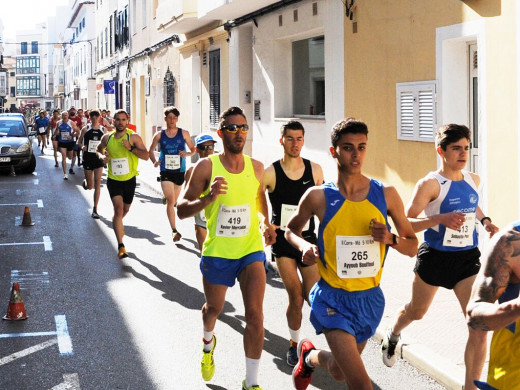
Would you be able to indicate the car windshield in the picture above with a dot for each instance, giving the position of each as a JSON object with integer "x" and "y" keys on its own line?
{"x": 12, "y": 128}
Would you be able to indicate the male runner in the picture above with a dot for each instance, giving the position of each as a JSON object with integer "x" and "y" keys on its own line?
{"x": 205, "y": 145}
{"x": 73, "y": 116}
{"x": 41, "y": 122}
{"x": 53, "y": 123}
{"x": 353, "y": 239}
{"x": 88, "y": 142}
{"x": 124, "y": 148}
{"x": 286, "y": 181}
{"x": 449, "y": 257}
{"x": 65, "y": 132}
{"x": 499, "y": 279}
{"x": 232, "y": 195}
{"x": 172, "y": 160}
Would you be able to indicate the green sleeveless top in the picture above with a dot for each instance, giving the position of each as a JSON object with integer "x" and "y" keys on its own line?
{"x": 122, "y": 164}
{"x": 232, "y": 220}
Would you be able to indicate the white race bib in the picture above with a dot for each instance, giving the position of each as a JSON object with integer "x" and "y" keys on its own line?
{"x": 462, "y": 237}
{"x": 172, "y": 161}
{"x": 233, "y": 221}
{"x": 357, "y": 257}
{"x": 92, "y": 146}
{"x": 120, "y": 166}
{"x": 64, "y": 135}
{"x": 41, "y": 130}
{"x": 287, "y": 212}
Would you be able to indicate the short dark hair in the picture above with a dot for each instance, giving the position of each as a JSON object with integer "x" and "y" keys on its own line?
{"x": 121, "y": 111}
{"x": 93, "y": 112}
{"x": 171, "y": 109}
{"x": 451, "y": 133}
{"x": 347, "y": 126}
{"x": 291, "y": 125}
{"x": 230, "y": 112}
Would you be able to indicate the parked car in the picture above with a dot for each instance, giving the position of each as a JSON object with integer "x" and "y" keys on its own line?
{"x": 16, "y": 148}
{"x": 15, "y": 115}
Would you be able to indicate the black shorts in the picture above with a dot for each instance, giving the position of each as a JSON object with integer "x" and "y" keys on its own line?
{"x": 66, "y": 145}
{"x": 91, "y": 161}
{"x": 126, "y": 189}
{"x": 446, "y": 269}
{"x": 281, "y": 248}
{"x": 175, "y": 177}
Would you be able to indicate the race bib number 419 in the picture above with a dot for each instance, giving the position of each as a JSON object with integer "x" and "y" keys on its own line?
{"x": 233, "y": 221}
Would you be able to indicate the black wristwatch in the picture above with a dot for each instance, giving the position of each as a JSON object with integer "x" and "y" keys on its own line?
{"x": 132, "y": 147}
{"x": 394, "y": 239}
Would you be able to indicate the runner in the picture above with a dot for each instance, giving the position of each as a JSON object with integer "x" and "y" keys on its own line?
{"x": 41, "y": 123}
{"x": 124, "y": 148}
{"x": 172, "y": 160}
{"x": 499, "y": 279}
{"x": 53, "y": 123}
{"x": 73, "y": 116}
{"x": 229, "y": 187}
{"x": 65, "y": 132}
{"x": 205, "y": 145}
{"x": 88, "y": 142}
{"x": 449, "y": 257}
{"x": 347, "y": 303}
{"x": 286, "y": 181}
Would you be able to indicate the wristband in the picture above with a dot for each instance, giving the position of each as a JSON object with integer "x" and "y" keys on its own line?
{"x": 132, "y": 147}
{"x": 483, "y": 219}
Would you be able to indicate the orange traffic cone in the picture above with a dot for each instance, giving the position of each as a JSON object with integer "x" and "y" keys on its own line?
{"x": 27, "y": 221}
{"x": 16, "y": 308}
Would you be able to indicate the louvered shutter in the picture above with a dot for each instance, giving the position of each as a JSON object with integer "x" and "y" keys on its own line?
{"x": 416, "y": 117}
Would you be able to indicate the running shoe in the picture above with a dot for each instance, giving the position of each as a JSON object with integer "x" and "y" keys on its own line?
{"x": 71, "y": 171}
{"x": 65, "y": 177}
{"x": 176, "y": 236}
{"x": 121, "y": 253}
{"x": 302, "y": 374}
{"x": 292, "y": 355}
{"x": 56, "y": 165}
{"x": 207, "y": 365}
{"x": 254, "y": 387}
{"x": 95, "y": 215}
{"x": 388, "y": 349}
{"x": 42, "y": 151}
{"x": 163, "y": 200}
{"x": 84, "y": 184}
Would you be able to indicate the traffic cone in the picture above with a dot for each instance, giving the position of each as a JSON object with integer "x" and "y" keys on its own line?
{"x": 27, "y": 221}
{"x": 16, "y": 308}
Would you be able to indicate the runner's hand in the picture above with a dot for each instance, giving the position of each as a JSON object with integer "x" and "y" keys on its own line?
{"x": 310, "y": 254}
{"x": 218, "y": 186}
{"x": 269, "y": 232}
{"x": 380, "y": 232}
{"x": 453, "y": 220}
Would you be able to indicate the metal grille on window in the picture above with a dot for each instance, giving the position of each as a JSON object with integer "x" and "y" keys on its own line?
{"x": 214, "y": 87}
{"x": 127, "y": 87}
{"x": 169, "y": 89}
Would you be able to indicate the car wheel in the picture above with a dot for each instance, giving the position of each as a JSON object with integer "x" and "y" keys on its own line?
{"x": 32, "y": 165}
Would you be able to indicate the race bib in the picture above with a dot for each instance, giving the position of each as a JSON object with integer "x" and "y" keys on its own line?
{"x": 462, "y": 237}
{"x": 202, "y": 216}
{"x": 92, "y": 146}
{"x": 357, "y": 257}
{"x": 64, "y": 135}
{"x": 172, "y": 161}
{"x": 287, "y": 212}
{"x": 41, "y": 130}
{"x": 120, "y": 166}
{"x": 233, "y": 221}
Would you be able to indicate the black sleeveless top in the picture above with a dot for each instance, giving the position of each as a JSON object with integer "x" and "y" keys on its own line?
{"x": 92, "y": 135}
{"x": 289, "y": 192}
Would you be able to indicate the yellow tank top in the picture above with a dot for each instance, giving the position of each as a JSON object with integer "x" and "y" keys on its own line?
{"x": 349, "y": 258}
{"x": 232, "y": 220}
{"x": 122, "y": 165}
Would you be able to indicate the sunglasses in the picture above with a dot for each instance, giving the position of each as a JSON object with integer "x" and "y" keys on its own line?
{"x": 206, "y": 147}
{"x": 234, "y": 128}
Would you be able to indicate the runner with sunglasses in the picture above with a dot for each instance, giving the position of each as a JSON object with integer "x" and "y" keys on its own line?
{"x": 172, "y": 159}
{"x": 229, "y": 187}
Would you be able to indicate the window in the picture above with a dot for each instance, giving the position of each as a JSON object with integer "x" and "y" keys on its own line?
{"x": 106, "y": 41}
{"x": 169, "y": 89}
{"x": 28, "y": 65}
{"x": 308, "y": 71}
{"x": 23, "y": 48}
{"x": 34, "y": 47}
{"x": 28, "y": 86}
{"x": 416, "y": 116}
{"x": 13, "y": 92}
{"x": 214, "y": 87}
{"x": 110, "y": 22}
{"x": 144, "y": 11}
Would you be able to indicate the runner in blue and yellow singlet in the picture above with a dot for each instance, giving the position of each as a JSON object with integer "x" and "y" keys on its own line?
{"x": 499, "y": 279}
{"x": 122, "y": 148}
{"x": 353, "y": 239}
{"x": 229, "y": 187}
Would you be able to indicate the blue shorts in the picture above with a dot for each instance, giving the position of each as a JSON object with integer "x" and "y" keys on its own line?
{"x": 219, "y": 270}
{"x": 356, "y": 312}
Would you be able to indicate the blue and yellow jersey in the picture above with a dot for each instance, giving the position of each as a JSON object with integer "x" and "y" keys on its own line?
{"x": 350, "y": 258}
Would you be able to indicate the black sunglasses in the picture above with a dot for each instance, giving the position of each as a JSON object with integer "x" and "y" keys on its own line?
{"x": 206, "y": 147}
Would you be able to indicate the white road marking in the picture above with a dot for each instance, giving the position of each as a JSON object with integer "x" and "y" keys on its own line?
{"x": 47, "y": 243}
{"x": 27, "y": 351}
{"x": 70, "y": 382}
{"x": 39, "y": 203}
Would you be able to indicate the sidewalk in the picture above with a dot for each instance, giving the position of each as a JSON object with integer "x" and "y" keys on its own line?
{"x": 435, "y": 344}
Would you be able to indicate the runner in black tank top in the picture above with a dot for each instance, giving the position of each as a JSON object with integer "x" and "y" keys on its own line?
{"x": 286, "y": 181}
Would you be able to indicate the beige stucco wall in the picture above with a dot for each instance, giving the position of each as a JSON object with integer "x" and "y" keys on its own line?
{"x": 396, "y": 42}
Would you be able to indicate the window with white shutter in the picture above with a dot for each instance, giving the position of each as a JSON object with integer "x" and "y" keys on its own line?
{"x": 416, "y": 118}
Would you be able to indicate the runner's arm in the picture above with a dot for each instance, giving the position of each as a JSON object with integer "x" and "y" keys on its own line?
{"x": 151, "y": 151}
{"x": 137, "y": 147}
{"x": 189, "y": 142}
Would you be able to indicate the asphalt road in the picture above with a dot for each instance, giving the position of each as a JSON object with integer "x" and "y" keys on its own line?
{"x": 96, "y": 322}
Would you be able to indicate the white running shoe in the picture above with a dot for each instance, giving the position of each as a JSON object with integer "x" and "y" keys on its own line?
{"x": 388, "y": 349}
